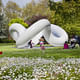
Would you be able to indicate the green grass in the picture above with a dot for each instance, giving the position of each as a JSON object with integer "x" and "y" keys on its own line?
{"x": 9, "y": 50}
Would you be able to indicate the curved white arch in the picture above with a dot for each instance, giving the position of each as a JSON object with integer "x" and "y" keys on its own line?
{"x": 16, "y": 30}
{"x": 33, "y": 32}
{"x": 53, "y": 34}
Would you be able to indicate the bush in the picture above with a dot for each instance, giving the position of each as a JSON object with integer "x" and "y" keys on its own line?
{"x": 18, "y": 20}
{"x": 6, "y": 41}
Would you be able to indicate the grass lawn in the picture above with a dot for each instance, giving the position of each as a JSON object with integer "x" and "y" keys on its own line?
{"x": 9, "y": 50}
{"x": 32, "y": 64}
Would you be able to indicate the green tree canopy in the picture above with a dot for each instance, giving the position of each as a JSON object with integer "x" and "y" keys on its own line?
{"x": 12, "y": 10}
{"x": 67, "y": 15}
{"x": 36, "y": 9}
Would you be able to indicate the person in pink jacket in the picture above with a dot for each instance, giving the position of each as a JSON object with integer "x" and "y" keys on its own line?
{"x": 42, "y": 47}
{"x": 66, "y": 45}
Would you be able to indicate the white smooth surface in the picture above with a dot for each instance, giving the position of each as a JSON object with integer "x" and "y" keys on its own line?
{"x": 53, "y": 34}
{"x": 16, "y": 30}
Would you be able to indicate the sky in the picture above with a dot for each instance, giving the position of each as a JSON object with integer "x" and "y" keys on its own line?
{"x": 22, "y": 3}
{"x": 56, "y": 0}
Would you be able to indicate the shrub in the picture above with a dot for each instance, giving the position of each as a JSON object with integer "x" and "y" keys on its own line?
{"x": 18, "y": 20}
{"x": 6, "y": 40}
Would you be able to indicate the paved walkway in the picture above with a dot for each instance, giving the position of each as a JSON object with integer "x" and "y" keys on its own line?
{"x": 37, "y": 47}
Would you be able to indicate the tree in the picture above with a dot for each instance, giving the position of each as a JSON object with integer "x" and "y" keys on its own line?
{"x": 2, "y": 22}
{"x": 12, "y": 10}
{"x": 3, "y": 28}
{"x": 36, "y": 9}
{"x": 67, "y": 15}
{"x": 1, "y": 6}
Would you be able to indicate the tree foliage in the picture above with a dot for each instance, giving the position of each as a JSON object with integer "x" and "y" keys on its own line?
{"x": 67, "y": 15}
{"x": 12, "y": 10}
{"x": 1, "y": 5}
{"x": 3, "y": 27}
{"x": 36, "y": 9}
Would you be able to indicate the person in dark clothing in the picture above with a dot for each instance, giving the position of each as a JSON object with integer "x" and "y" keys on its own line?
{"x": 72, "y": 44}
{"x": 30, "y": 44}
{"x": 79, "y": 40}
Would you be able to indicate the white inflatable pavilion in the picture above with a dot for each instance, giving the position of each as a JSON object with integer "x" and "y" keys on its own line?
{"x": 53, "y": 34}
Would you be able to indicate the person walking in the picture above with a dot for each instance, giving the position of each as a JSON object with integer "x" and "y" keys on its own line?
{"x": 30, "y": 44}
{"x": 42, "y": 47}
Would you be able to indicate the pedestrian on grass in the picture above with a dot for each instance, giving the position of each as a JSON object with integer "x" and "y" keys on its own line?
{"x": 30, "y": 44}
{"x": 42, "y": 47}
{"x": 66, "y": 45}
